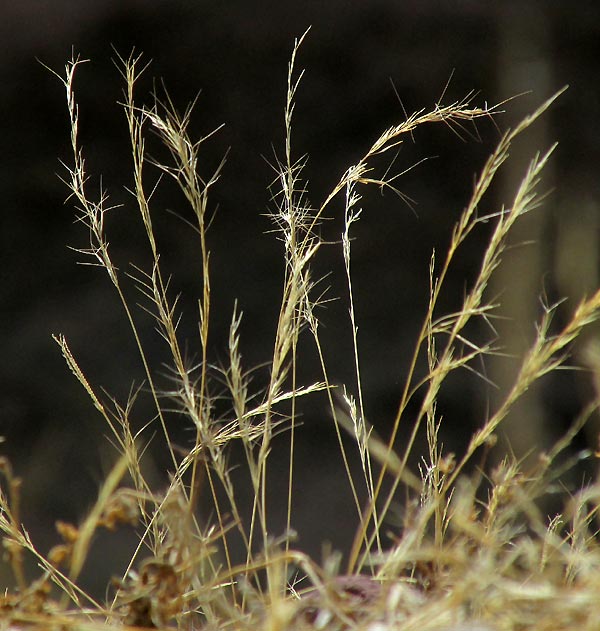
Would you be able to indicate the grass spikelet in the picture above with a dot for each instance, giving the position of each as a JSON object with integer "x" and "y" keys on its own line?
{"x": 436, "y": 547}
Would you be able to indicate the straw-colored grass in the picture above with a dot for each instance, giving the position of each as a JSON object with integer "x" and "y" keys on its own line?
{"x": 473, "y": 552}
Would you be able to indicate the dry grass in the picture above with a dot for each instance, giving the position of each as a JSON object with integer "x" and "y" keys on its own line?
{"x": 460, "y": 562}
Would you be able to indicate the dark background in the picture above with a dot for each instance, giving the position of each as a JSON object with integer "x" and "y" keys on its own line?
{"x": 237, "y": 54}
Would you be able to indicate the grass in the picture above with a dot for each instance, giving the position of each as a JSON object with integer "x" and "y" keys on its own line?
{"x": 474, "y": 551}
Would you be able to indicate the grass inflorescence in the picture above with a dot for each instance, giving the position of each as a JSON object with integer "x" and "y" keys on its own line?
{"x": 474, "y": 550}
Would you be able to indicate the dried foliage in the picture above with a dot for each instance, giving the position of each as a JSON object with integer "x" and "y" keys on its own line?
{"x": 459, "y": 562}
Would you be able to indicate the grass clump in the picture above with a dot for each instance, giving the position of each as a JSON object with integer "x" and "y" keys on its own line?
{"x": 474, "y": 551}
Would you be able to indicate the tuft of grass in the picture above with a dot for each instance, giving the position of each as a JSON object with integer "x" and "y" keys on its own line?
{"x": 473, "y": 551}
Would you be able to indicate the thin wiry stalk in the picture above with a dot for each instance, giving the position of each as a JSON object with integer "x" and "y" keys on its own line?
{"x": 358, "y": 416}
{"x": 173, "y": 132}
{"x": 451, "y": 358}
{"x": 545, "y": 355}
{"x": 290, "y": 194}
{"x": 297, "y": 222}
{"x": 314, "y": 325}
{"x": 92, "y": 216}
{"x": 172, "y": 129}
{"x": 292, "y": 218}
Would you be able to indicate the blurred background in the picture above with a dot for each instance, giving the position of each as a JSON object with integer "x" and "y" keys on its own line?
{"x": 366, "y": 63}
